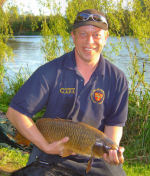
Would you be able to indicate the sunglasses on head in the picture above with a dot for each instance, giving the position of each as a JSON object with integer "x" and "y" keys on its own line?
{"x": 90, "y": 17}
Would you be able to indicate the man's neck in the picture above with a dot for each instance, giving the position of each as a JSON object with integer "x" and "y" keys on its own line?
{"x": 86, "y": 69}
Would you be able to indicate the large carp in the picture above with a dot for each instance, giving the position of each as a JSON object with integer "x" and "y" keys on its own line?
{"x": 83, "y": 139}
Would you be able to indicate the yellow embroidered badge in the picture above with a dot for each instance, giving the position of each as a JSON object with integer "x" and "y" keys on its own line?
{"x": 67, "y": 90}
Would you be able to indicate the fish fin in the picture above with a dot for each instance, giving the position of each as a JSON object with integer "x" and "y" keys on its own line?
{"x": 89, "y": 165}
{"x": 66, "y": 152}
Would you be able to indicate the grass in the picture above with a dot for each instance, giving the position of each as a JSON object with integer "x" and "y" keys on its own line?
{"x": 137, "y": 169}
{"x": 11, "y": 159}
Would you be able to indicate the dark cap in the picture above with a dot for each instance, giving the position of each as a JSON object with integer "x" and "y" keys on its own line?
{"x": 91, "y": 17}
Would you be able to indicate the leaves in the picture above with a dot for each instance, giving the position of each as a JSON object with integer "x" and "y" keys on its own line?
{"x": 5, "y": 50}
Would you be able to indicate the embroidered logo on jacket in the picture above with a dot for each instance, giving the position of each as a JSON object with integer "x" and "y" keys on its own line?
{"x": 67, "y": 90}
{"x": 97, "y": 96}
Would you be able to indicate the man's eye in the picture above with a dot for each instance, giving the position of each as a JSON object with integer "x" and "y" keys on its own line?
{"x": 97, "y": 35}
{"x": 82, "y": 34}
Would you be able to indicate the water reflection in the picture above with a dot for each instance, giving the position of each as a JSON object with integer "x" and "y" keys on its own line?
{"x": 27, "y": 50}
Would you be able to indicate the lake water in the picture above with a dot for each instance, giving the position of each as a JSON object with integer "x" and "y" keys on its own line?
{"x": 28, "y": 54}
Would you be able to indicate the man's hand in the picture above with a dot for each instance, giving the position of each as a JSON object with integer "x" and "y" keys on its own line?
{"x": 26, "y": 126}
{"x": 114, "y": 157}
{"x": 57, "y": 147}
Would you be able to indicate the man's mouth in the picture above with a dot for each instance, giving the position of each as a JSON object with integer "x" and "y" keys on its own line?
{"x": 89, "y": 49}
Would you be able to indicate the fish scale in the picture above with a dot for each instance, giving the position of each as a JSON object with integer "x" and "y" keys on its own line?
{"x": 83, "y": 139}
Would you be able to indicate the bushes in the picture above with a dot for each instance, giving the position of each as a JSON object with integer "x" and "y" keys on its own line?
{"x": 137, "y": 130}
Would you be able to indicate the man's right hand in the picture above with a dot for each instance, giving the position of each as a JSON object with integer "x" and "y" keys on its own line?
{"x": 57, "y": 147}
{"x": 28, "y": 129}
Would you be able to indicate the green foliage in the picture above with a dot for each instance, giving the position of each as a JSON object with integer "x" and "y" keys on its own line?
{"x": 25, "y": 24}
{"x": 136, "y": 133}
{"x": 5, "y": 51}
{"x": 11, "y": 159}
{"x": 53, "y": 26}
{"x": 140, "y": 23}
{"x": 13, "y": 85}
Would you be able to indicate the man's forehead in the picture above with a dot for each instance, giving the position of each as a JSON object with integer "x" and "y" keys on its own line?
{"x": 89, "y": 28}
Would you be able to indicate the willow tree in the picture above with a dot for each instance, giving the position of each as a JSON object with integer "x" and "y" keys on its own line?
{"x": 5, "y": 50}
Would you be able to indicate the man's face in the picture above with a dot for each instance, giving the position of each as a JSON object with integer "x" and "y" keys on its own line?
{"x": 89, "y": 42}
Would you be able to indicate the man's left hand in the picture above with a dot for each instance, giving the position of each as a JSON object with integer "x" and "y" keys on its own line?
{"x": 114, "y": 157}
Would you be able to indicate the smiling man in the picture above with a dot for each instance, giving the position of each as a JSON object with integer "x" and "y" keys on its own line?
{"x": 89, "y": 41}
{"x": 82, "y": 86}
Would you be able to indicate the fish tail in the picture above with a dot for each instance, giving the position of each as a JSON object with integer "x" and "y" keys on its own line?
{"x": 21, "y": 139}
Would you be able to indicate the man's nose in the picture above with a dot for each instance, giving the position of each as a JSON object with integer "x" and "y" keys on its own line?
{"x": 90, "y": 39}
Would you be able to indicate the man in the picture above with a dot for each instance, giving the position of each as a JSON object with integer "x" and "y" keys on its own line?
{"x": 81, "y": 86}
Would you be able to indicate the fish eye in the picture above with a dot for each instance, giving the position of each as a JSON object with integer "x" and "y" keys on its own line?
{"x": 99, "y": 144}
{"x": 107, "y": 147}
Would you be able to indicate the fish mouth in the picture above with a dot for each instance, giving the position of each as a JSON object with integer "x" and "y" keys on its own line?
{"x": 105, "y": 147}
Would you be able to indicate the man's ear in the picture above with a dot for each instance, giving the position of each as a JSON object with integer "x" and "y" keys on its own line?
{"x": 106, "y": 34}
{"x": 73, "y": 35}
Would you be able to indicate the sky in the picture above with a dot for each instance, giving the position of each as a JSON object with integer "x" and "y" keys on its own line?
{"x": 33, "y": 6}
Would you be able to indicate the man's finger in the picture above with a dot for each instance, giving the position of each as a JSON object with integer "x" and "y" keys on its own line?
{"x": 106, "y": 157}
{"x": 64, "y": 140}
{"x": 113, "y": 157}
{"x": 120, "y": 154}
{"x": 121, "y": 149}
